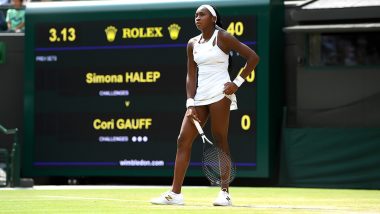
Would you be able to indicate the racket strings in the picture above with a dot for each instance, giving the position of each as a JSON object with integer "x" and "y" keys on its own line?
{"x": 217, "y": 166}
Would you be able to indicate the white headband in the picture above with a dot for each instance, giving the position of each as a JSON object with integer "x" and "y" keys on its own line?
{"x": 209, "y": 8}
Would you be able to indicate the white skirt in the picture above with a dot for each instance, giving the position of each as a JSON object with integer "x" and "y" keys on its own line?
{"x": 215, "y": 99}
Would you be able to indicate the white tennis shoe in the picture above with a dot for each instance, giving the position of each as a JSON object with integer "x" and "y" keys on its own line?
{"x": 169, "y": 198}
{"x": 223, "y": 199}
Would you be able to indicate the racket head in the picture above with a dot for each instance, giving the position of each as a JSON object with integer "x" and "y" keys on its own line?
{"x": 217, "y": 165}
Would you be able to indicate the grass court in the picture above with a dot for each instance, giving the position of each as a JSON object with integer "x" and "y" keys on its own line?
{"x": 135, "y": 199}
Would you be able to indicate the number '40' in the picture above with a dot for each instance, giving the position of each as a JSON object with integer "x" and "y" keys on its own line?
{"x": 236, "y": 28}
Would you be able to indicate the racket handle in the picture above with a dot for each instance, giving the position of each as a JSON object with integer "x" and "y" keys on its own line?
{"x": 198, "y": 126}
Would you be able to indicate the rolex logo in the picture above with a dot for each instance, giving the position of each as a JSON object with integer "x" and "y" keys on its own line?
{"x": 111, "y": 33}
{"x": 174, "y": 31}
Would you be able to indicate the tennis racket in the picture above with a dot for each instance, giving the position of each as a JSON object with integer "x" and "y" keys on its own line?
{"x": 217, "y": 165}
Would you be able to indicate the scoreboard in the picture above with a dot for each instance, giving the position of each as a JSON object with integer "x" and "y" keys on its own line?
{"x": 105, "y": 89}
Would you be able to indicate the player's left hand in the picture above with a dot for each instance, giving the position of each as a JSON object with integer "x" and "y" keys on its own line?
{"x": 230, "y": 88}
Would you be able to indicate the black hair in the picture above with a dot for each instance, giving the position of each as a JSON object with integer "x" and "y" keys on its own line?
{"x": 218, "y": 18}
{"x": 220, "y": 24}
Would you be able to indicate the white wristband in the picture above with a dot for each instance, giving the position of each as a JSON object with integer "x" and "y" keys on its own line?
{"x": 238, "y": 81}
{"x": 190, "y": 102}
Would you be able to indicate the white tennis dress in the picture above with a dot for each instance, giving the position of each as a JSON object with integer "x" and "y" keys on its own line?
{"x": 212, "y": 72}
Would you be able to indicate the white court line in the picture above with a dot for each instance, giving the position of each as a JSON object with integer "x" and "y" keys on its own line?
{"x": 87, "y": 198}
{"x": 89, "y": 187}
{"x": 66, "y": 187}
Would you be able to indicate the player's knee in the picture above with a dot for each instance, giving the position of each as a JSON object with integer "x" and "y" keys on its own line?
{"x": 219, "y": 136}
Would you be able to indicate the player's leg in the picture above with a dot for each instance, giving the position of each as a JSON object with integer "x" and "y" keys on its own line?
{"x": 185, "y": 141}
{"x": 220, "y": 116}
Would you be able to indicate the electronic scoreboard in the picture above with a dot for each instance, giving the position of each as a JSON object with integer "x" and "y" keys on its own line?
{"x": 105, "y": 89}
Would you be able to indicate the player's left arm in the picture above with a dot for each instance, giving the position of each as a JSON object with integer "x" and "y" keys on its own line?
{"x": 228, "y": 43}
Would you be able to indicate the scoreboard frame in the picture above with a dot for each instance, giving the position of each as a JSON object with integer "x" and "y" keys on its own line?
{"x": 268, "y": 47}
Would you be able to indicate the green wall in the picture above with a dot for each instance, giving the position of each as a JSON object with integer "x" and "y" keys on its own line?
{"x": 331, "y": 157}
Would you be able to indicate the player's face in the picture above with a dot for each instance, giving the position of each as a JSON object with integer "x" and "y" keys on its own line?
{"x": 203, "y": 18}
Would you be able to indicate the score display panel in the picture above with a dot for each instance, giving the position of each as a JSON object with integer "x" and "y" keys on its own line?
{"x": 108, "y": 97}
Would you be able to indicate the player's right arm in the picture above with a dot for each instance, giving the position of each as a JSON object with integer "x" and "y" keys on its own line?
{"x": 191, "y": 71}
{"x": 191, "y": 78}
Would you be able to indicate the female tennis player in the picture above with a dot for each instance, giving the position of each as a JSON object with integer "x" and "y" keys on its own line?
{"x": 210, "y": 93}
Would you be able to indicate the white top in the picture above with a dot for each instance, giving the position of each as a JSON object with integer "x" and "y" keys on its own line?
{"x": 212, "y": 72}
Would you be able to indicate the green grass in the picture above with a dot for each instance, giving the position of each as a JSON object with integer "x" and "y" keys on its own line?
{"x": 197, "y": 199}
